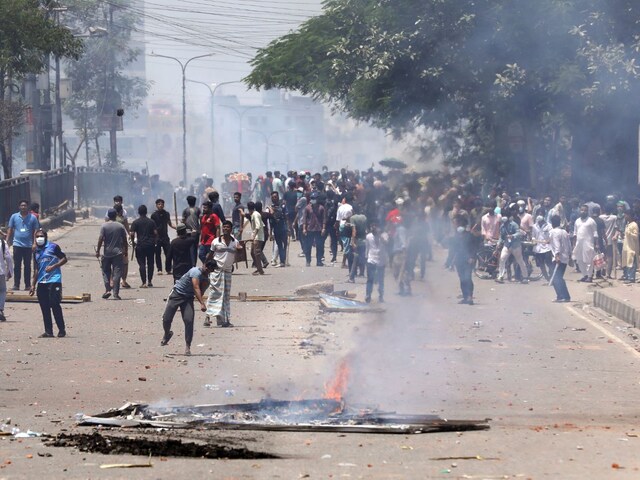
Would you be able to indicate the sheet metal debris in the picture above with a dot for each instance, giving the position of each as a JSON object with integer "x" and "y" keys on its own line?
{"x": 321, "y": 415}
{"x": 333, "y": 303}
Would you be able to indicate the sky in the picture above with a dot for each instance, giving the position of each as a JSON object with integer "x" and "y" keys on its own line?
{"x": 231, "y": 30}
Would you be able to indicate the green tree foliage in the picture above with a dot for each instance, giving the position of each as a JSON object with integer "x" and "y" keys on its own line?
{"x": 28, "y": 34}
{"x": 506, "y": 83}
{"x": 99, "y": 79}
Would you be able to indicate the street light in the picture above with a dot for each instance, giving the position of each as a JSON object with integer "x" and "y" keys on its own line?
{"x": 266, "y": 143}
{"x": 212, "y": 93}
{"x": 183, "y": 66}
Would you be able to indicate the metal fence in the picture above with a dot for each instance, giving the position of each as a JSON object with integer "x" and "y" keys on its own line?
{"x": 11, "y": 192}
{"x": 56, "y": 187}
{"x": 97, "y": 185}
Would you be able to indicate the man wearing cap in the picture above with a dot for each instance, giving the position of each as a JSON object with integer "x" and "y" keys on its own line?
{"x": 6, "y": 271}
{"x": 180, "y": 260}
{"x": 114, "y": 237}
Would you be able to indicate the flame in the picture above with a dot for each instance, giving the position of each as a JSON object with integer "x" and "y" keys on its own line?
{"x": 336, "y": 388}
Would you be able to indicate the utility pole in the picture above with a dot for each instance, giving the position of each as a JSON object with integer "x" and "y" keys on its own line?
{"x": 113, "y": 143}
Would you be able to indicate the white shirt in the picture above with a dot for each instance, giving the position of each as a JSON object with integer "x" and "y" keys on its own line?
{"x": 344, "y": 213}
{"x": 377, "y": 249}
{"x": 585, "y": 230}
{"x": 609, "y": 227}
{"x": 6, "y": 263}
{"x": 223, "y": 254}
{"x": 540, "y": 235}
{"x": 560, "y": 244}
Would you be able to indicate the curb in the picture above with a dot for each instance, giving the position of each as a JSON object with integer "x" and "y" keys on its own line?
{"x": 616, "y": 307}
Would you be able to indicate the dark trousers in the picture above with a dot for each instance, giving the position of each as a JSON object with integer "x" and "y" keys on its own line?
{"x": 333, "y": 245}
{"x": 629, "y": 273}
{"x": 22, "y": 255}
{"x": 359, "y": 258}
{"x": 112, "y": 270}
{"x": 280, "y": 237}
{"x": 49, "y": 298}
{"x": 559, "y": 285}
{"x": 185, "y": 305}
{"x": 314, "y": 239}
{"x": 162, "y": 245}
{"x": 545, "y": 262}
{"x": 465, "y": 269}
{"x": 144, "y": 256}
{"x": 256, "y": 254}
{"x": 375, "y": 274}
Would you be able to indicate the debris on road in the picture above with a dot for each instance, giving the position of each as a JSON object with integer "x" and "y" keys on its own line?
{"x": 317, "y": 415}
{"x": 332, "y": 303}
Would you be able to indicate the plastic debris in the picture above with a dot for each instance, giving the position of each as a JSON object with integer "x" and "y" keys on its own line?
{"x": 229, "y": 393}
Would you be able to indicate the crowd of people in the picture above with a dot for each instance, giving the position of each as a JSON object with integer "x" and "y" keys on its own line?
{"x": 380, "y": 222}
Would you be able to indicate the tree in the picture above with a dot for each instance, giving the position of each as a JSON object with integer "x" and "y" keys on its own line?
{"x": 515, "y": 86}
{"x": 100, "y": 86}
{"x": 27, "y": 37}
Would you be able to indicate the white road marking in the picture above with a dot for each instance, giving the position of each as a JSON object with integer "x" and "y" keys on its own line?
{"x": 602, "y": 329}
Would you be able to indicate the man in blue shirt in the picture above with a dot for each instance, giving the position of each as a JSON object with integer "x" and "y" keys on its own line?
{"x": 191, "y": 285}
{"x": 47, "y": 276}
{"x": 20, "y": 236}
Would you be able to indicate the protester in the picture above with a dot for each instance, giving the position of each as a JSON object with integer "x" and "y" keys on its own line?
{"x": 237, "y": 215}
{"x": 114, "y": 237}
{"x": 279, "y": 227}
{"x": 511, "y": 238}
{"x": 162, "y": 219}
{"x": 20, "y": 235}
{"x": 179, "y": 259}
{"x": 6, "y": 272}
{"x": 209, "y": 229}
{"x": 191, "y": 285}
{"x": 191, "y": 218}
{"x": 122, "y": 220}
{"x": 313, "y": 228}
{"x": 585, "y": 232}
{"x": 463, "y": 245}
{"x": 358, "y": 245}
{"x": 143, "y": 239}
{"x": 377, "y": 244}
{"x": 541, "y": 248}
{"x": 223, "y": 252}
{"x": 48, "y": 258}
{"x": 257, "y": 237}
{"x": 560, "y": 244}
{"x": 630, "y": 248}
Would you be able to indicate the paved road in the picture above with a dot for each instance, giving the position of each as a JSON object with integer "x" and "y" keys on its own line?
{"x": 559, "y": 382}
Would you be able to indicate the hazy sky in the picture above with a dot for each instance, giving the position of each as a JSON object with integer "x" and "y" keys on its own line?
{"x": 231, "y": 29}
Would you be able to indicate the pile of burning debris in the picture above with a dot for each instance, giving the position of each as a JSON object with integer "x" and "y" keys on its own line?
{"x": 322, "y": 415}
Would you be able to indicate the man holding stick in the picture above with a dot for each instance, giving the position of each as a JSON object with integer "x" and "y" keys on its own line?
{"x": 561, "y": 250}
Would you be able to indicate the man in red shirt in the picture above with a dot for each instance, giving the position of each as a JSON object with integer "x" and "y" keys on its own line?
{"x": 209, "y": 229}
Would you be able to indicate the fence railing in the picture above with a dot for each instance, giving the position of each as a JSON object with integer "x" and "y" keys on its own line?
{"x": 96, "y": 185}
{"x": 56, "y": 187}
{"x": 12, "y": 191}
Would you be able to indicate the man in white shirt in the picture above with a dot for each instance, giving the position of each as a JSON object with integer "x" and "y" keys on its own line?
{"x": 377, "y": 258}
{"x": 541, "y": 247}
{"x": 223, "y": 251}
{"x": 585, "y": 231}
{"x": 343, "y": 215}
{"x": 560, "y": 245}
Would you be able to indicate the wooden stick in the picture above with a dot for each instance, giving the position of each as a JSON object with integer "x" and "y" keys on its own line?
{"x": 175, "y": 208}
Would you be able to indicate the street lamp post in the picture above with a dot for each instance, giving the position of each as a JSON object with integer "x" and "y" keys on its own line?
{"x": 212, "y": 93}
{"x": 183, "y": 66}
{"x": 267, "y": 137}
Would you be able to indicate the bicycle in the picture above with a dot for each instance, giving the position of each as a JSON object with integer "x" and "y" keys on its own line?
{"x": 488, "y": 262}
